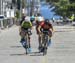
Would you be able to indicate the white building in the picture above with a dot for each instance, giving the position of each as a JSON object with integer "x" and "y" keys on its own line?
{"x": 5, "y": 10}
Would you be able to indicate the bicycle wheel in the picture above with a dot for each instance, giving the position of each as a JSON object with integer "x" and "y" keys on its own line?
{"x": 45, "y": 51}
{"x": 26, "y": 39}
{"x": 40, "y": 44}
{"x": 45, "y": 38}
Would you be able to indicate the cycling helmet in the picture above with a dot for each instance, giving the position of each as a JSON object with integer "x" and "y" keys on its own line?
{"x": 40, "y": 18}
{"x": 32, "y": 17}
{"x": 27, "y": 19}
{"x": 46, "y": 20}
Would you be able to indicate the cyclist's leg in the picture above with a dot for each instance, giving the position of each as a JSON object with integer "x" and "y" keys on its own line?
{"x": 29, "y": 41}
{"x": 37, "y": 29}
{"x": 29, "y": 49}
{"x": 29, "y": 34}
{"x": 22, "y": 35}
{"x": 40, "y": 41}
{"x": 38, "y": 35}
{"x": 50, "y": 35}
{"x": 49, "y": 41}
{"x": 22, "y": 39}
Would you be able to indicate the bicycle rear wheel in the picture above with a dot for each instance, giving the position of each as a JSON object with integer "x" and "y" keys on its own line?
{"x": 44, "y": 51}
{"x": 27, "y": 43}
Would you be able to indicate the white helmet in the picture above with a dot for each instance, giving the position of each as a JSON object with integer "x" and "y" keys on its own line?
{"x": 27, "y": 19}
{"x": 40, "y": 18}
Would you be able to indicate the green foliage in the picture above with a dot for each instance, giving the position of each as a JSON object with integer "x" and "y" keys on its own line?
{"x": 17, "y": 14}
{"x": 63, "y": 7}
{"x": 71, "y": 7}
{"x": 52, "y": 0}
{"x": 72, "y": 1}
{"x": 23, "y": 4}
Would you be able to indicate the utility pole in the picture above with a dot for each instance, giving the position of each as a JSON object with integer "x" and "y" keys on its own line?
{"x": 20, "y": 9}
{"x": 38, "y": 6}
{"x": 1, "y": 13}
{"x": 32, "y": 7}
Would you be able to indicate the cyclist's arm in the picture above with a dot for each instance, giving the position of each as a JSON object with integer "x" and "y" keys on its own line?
{"x": 21, "y": 26}
{"x": 41, "y": 25}
{"x": 39, "y": 29}
{"x": 30, "y": 25}
{"x": 22, "y": 23}
{"x": 51, "y": 27}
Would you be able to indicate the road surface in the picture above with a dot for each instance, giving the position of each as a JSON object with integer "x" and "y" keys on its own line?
{"x": 62, "y": 49}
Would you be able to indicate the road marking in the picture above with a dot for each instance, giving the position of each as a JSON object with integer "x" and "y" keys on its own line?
{"x": 44, "y": 59}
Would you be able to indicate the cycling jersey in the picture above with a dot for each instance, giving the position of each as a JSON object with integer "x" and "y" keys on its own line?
{"x": 46, "y": 26}
{"x": 26, "y": 24}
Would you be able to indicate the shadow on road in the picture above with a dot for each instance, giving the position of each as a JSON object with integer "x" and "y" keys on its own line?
{"x": 20, "y": 54}
{"x": 30, "y": 54}
{"x": 15, "y": 46}
{"x": 36, "y": 54}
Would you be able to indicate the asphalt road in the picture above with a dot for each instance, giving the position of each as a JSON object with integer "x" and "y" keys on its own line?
{"x": 62, "y": 49}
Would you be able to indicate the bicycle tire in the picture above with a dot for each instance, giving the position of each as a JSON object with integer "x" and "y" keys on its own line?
{"x": 45, "y": 40}
{"x": 26, "y": 39}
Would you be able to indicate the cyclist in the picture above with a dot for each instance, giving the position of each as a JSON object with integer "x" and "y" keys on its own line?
{"x": 23, "y": 18}
{"x": 39, "y": 19}
{"x": 32, "y": 18}
{"x": 26, "y": 24}
{"x": 46, "y": 26}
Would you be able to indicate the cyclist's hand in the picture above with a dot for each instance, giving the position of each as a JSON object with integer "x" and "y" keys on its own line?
{"x": 39, "y": 32}
{"x": 51, "y": 30}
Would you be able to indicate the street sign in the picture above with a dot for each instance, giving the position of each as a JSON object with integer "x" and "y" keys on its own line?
{"x": 1, "y": 17}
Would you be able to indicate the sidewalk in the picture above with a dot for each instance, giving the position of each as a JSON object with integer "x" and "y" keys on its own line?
{"x": 64, "y": 28}
{"x": 6, "y": 29}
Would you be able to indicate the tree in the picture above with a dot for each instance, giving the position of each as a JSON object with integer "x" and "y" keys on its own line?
{"x": 63, "y": 7}
{"x": 14, "y": 1}
{"x": 72, "y": 1}
{"x": 23, "y": 4}
{"x": 52, "y": 1}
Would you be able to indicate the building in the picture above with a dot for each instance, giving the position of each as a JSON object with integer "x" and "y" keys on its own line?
{"x": 33, "y": 6}
{"x": 4, "y": 5}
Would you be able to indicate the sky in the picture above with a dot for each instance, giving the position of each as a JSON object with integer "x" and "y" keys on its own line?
{"x": 45, "y": 10}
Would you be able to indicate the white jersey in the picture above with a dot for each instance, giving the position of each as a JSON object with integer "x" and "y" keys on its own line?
{"x": 40, "y": 18}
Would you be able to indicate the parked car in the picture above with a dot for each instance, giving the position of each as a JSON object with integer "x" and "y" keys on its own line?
{"x": 73, "y": 23}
